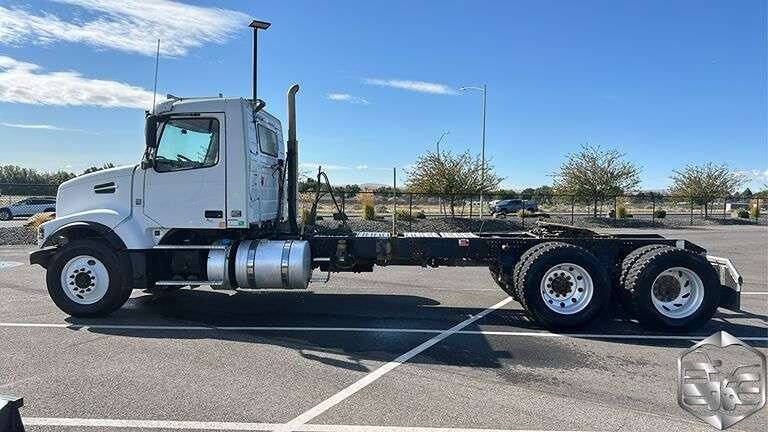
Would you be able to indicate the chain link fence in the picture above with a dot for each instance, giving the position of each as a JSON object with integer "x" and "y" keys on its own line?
{"x": 645, "y": 209}
{"x": 13, "y": 193}
{"x": 653, "y": 209}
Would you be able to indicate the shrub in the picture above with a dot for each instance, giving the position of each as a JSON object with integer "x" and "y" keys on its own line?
{"x": 622, "y": 212}
{"x": 369, "y": 213}
{"x": 754, "y": 212}
{"x": 404, "y": 215}
{"x": 40, "y": 218}
{"x": 306, "y": 216}
{"x": 660, "y": 214}
{"x": 421, "y": 215}
{"x": 742, "y": 213}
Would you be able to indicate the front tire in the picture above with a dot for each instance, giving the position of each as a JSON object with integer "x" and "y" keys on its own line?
{"x": 673, "y": 289}
{"x": 562, "y": 285}
{"x": 5, "y": 215}
{"x": 84, "y": 279}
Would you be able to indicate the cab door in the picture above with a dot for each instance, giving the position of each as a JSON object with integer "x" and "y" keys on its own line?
{"x": 186, "y": 186}
{"x": 268, "y": 177}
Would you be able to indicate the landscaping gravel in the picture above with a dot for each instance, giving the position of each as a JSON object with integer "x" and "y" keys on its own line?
{"x": 17, "y": 236}
{"x": 327, "y": 226}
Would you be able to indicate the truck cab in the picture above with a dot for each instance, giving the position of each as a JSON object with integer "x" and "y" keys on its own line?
{"x": 204, "y": 206}
{"x": 213, "y": 164}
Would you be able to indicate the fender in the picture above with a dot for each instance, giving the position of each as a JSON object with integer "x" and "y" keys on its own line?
{"x": 81, "y": 229}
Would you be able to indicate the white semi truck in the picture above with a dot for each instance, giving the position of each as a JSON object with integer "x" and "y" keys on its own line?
{"x": 213, "y": 202}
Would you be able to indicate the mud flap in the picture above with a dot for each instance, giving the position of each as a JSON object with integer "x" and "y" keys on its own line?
{"x": 730, "y": 282}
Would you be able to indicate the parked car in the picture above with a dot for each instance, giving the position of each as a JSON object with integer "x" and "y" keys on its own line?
{"x": 28, "y": 207}
{"x": 513, "y": 206}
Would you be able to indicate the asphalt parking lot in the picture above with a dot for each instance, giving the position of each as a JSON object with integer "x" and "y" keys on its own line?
{"x": 402, "y": 349}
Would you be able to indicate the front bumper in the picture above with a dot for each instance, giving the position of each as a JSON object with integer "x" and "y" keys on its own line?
{"x": 730, "y": 282}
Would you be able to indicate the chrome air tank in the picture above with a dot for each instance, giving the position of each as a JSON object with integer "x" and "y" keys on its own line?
{"x": 273, "y": 264}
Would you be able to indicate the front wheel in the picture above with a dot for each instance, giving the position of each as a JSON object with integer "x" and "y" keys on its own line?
{"x": 5, "y": 214}
{"x": 84, "y": 279}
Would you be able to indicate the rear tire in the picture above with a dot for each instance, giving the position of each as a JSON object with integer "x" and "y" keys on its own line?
{"x": 503, "y": 283}
{"x": 5, "y": 215}
{"x": 672, "y": 289}
{"x": 562, "y": 285}
{"x": 84, "y": 279}
{"x": 623, "y": 271}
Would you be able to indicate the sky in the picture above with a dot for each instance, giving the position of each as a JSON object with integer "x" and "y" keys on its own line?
{"x": 667, "y": 83}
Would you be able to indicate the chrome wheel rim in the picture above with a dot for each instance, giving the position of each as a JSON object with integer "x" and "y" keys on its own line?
{"x": 84, "y": 279}
{"x": 677, "y": 292}
{"x": 567, "y": 288}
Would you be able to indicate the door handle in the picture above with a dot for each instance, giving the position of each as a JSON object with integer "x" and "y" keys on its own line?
{"x": 214, "y": 214}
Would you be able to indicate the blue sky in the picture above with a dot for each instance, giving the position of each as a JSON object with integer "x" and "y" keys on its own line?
{"x": 668, "y": 83}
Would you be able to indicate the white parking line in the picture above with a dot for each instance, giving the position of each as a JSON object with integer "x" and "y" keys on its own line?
{"x": 233, "y": 426}
{"x": 378, "y": 373}
{"x": 365, "y": 330}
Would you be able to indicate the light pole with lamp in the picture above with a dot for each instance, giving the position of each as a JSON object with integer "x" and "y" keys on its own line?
{"x": 256, "y": 25}
{"x": 438, "y": 142}
{"x": 483, "y": 89}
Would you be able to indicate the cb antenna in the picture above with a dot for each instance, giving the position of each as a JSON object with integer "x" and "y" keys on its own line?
{"x": 256, "y": 25}
{"x": 157, "y": 64}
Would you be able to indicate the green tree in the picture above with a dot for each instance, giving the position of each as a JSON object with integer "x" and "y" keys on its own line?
{"x": 595, "y": 173}
{"x": 702, "y": 184}
{"x": 452, "y": 176}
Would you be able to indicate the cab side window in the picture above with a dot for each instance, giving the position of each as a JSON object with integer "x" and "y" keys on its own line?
{"x": 188, "y": 143}
{"x": 267, "y": 141}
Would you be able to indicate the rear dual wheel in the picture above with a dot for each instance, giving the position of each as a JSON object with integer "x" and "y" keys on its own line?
{"x": 561, "y": 285}
{"x": 670, "y": 288}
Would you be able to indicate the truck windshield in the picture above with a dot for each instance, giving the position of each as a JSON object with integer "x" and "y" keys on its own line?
{"x": 188, "y": 143}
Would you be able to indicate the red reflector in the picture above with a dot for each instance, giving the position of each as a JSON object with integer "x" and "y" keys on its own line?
{"x": 463, "y": 242}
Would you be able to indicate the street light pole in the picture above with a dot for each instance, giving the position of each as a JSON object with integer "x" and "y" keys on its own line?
{"x": 483, "y": 89}
{"x": 438, "y": 142}
{"x": 256, "y": 25}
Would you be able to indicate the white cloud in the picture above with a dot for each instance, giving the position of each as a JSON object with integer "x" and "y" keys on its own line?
{"x": 39, "y": 126}
{"x": 418, "y": 86}
{"x": 126, "y": 25}
{"x": 754, "y": 175}
{"x": 22, "y": 82}
{"x": 361, "y": 167}
{"x": 344, "y": 97}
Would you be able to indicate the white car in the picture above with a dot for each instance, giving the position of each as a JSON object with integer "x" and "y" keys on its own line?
{"x": 28, "y": 207}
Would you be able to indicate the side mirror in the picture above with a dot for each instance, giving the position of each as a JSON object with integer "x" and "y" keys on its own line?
{"x": 150, "y": 131}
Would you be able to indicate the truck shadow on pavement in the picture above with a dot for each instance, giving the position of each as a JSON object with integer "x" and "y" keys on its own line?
{"x": 348, "y": 349}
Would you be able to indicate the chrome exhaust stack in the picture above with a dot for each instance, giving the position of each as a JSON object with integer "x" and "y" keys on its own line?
{"x": 292, "y": 159}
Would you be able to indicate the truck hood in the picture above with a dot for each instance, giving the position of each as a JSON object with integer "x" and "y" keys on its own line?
{"x": 108, "y": 189}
